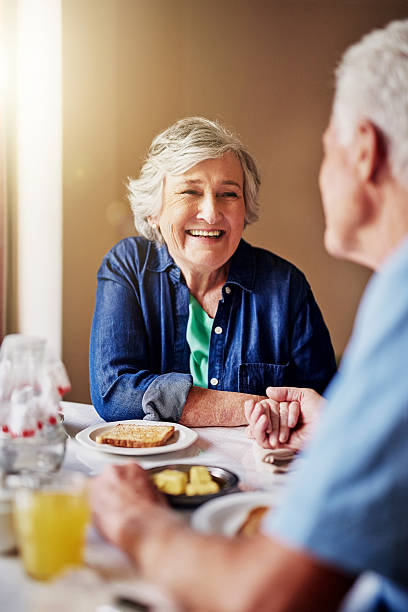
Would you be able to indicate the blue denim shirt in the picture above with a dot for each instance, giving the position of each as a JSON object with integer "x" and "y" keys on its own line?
{"x": 268, "y": 330}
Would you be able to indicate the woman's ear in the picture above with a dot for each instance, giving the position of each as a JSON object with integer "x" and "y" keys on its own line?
{"x": 369, "y": 151}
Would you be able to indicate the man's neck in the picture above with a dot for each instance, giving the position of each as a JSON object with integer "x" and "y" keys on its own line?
{"x": 387, "y": 228}
{"x": 392, "y": 226}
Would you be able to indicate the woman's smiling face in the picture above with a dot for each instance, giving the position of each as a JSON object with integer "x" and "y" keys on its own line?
{"x": 203, "y": 213}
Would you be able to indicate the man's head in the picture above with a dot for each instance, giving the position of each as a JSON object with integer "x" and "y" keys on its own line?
{"x": 366, "y": 143}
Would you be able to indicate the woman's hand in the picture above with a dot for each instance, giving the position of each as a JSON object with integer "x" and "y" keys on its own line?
{"x": 269, "y": 422}
{"x": 285, "y": 419}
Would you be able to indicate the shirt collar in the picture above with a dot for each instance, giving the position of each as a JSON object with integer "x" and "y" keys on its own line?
{"x": 159, "y": 257}
{"x": 242, "y": 266}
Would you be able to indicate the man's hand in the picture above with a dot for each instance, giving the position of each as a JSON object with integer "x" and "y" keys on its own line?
{"x": 123, "y": 498}
{"x": 127, "y": 510}
{"x": 285, "y": 419}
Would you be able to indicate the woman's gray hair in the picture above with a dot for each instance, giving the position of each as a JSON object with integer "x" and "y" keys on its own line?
{"x": 370, "y": 84}
{"x": 176, "y": 150}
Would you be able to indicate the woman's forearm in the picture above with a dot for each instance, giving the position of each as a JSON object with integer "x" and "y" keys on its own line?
{"x": 208, "y": 407}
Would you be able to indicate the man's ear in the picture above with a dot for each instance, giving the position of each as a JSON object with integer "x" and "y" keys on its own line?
{"x": 369, "y": 151}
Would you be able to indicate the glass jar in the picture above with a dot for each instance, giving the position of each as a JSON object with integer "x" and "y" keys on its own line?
{"x": 8, "y": 542}
{"x": 32, "y": 437}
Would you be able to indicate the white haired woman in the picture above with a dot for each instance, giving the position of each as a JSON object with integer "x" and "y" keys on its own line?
{"x": 190, "y": 320}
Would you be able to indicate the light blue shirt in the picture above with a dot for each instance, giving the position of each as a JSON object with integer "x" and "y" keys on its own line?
{"x": 348, "y": 503}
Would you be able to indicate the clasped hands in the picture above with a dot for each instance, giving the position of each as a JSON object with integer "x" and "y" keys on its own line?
{"x": 125, "y": 503}
{"x": 285, "y": 419}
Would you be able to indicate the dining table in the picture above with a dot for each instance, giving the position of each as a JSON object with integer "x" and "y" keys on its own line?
{"x": 107, "y": 581}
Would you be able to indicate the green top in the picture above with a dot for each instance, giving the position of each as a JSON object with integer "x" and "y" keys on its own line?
{"x": 199, "y": 328}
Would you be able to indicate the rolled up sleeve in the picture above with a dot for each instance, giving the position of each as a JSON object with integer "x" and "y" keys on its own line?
{"x": 165, "y": 397}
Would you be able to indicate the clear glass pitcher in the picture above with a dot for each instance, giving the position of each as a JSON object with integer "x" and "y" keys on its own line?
{"x": 32, "y": 437}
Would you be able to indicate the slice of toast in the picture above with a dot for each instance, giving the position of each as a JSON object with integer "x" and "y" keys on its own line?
{"x": 251, "y": 524}
{"x": 130, "y": 435}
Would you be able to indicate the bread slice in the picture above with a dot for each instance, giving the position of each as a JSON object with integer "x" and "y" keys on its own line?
{"x": 129, "y": 435}
{"x": 253, "y": 520}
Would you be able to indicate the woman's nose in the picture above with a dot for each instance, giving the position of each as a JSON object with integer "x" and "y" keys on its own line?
{"x": 209, "y": 209}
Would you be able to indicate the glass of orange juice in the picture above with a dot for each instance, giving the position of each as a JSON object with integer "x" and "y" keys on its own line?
{"x": 51, "y": 514}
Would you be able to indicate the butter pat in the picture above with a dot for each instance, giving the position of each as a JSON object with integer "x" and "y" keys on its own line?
{"x": 172, "y": 482}
{"x": 199, "y": 475}
{"x": 202, "y": 489}
{"x": 201, "y": 482}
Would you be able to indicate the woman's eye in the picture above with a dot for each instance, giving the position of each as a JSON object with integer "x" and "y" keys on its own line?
{"x": 229, "y": 194}
{"x": 189, "y": 192}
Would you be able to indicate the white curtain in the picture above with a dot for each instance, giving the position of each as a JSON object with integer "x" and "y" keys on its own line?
{"x": 35, "y": 172}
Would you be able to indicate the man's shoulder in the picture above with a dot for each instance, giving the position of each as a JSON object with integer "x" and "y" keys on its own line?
{"x": 397, "y": 263}
{"x": 386, "y": 289}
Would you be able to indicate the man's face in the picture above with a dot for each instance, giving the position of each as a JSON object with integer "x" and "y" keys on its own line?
{"x": 342, "y": 197}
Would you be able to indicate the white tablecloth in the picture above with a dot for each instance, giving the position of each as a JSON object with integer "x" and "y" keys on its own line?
{"x": 107, "y": 571}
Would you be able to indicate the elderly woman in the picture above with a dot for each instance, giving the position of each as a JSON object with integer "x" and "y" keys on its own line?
{"x": 190, "y": 320}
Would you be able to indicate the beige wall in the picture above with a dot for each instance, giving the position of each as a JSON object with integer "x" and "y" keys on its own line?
{"x": 132, "y": 67}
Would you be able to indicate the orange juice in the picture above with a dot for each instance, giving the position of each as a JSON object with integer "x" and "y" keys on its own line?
{"x": 51, "y": 527}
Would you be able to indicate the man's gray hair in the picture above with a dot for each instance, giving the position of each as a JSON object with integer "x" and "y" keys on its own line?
{"x": 176, "y": 150}
{"x": 372, "y": 84}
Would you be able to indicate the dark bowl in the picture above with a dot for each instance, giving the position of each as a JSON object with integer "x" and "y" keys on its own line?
{"x": 226, "y": 480}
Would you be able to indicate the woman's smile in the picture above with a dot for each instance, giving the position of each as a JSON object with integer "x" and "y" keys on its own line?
{"x": 201, "y": 233}
{"x": 203, "y": 214}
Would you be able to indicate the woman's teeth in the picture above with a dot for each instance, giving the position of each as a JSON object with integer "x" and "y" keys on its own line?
{"x": 210, "y": 234}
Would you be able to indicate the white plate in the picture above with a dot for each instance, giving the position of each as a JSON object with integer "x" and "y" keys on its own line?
{"x": 181, "y": 438}
{"x": 225, "y": 515}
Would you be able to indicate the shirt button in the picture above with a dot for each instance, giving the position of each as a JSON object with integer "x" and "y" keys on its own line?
{"x": 218, "y": 330}
{"x": 227, "y": 289}
{"x": 214, "y": 382}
